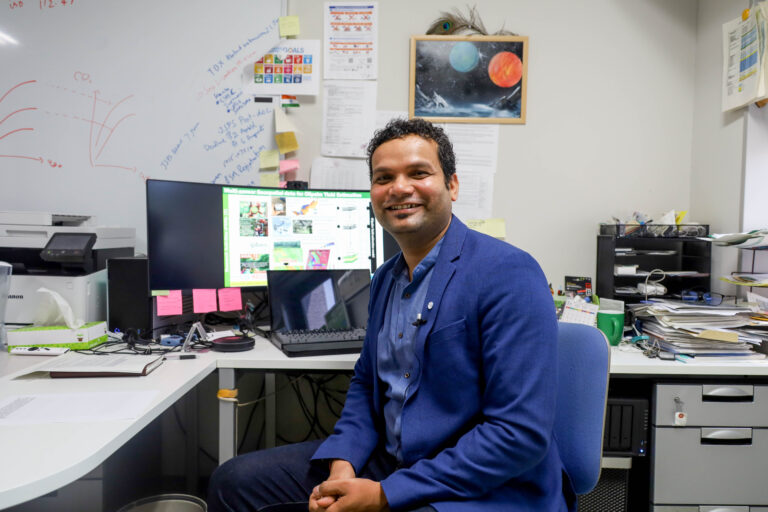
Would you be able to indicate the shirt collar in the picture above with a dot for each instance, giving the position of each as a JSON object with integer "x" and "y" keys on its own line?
{"x": 400, "y": 268}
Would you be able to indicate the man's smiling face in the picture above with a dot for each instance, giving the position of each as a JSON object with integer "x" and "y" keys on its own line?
{"x": 408, "y": 191}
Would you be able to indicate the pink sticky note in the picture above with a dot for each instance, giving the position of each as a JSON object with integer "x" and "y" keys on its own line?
{"x": 282, "y": 184}
{"x": 203, "y": 300}
{"x": 289, "y": 165}
{"x": 169, "y": 304}
{"x": 230, "y": 299}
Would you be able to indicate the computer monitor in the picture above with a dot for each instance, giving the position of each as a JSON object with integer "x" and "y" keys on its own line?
{"x": 203, "y": 235}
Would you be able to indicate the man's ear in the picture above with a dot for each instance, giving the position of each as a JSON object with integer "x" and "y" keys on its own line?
{"x": 453, "y": 186}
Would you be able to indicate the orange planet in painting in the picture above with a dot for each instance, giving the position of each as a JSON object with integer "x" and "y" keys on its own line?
{"x": 505, "y": 69}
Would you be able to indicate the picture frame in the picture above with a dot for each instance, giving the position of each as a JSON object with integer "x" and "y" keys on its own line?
{"x": 469, "y": 79}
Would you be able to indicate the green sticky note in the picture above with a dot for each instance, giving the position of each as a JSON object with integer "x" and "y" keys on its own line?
{"x": 160, "y": 293}
{"x": 289, "y": 26}
{"x": 269, "y": 159}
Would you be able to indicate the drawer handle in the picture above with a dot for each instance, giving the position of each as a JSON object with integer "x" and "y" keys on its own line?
{"x": 727, "y": 394}
{"x": 726, "y": 436}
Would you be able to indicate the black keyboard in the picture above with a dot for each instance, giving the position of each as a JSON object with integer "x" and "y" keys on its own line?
{"x": 312, "y": 343}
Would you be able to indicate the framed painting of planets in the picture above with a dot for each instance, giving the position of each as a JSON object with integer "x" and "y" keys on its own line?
{"x": 469, "y": 79}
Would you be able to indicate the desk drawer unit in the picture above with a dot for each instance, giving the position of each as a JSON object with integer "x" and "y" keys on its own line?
{"x": 685, "y": 508}
{"x": 710, "y": 448}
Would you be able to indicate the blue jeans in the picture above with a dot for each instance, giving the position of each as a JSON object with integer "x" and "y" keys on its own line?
{"x": 280, "y": 479}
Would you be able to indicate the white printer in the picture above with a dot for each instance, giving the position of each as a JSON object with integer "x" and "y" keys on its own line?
{"x": 64, "y": 253}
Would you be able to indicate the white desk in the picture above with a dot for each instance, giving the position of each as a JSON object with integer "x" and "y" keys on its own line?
{"x": 39, "y": 459}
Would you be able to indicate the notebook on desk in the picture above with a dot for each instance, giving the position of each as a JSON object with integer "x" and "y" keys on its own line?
{"x": 317, "y": 312}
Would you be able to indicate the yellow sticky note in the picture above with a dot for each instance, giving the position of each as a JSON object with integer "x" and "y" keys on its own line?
{"x": 269, "y": 159}
{"x": 286, "y": 142}
{"x": 496, "y": 228}
{"x": 289, "y": 26}
{"x": 269, "y": 179}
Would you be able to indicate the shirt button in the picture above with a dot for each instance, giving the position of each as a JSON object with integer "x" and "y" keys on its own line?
{"x": 407, "y": 295}
{"x": 399, "y": 335}
{"x": 407, "y": 375}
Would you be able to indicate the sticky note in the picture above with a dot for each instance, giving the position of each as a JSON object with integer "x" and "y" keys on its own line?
{"x": 169, "y": 304}
{"x": 286, "y": 142}
{"x": 203, "y": 300}
{"x": 156, "y": 293}
{"x": 493, "y": 227}
{"x": 269, "y": 159}
{"x": 269, "y": 179}
{"x": 289, "y": 26}
{"x": 282, "y": 123}
{"x": 282, "y": 184}
{"x": 230, "y": 299}
{"x": 288, "y": 166}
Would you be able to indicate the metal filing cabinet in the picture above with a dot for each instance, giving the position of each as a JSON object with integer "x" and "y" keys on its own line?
{"x": 718, "y": 459}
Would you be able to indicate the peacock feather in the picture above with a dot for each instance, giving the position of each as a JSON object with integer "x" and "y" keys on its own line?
{"x": 457, "y": 23}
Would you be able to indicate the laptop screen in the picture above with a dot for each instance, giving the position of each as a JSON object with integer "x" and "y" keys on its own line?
{"x": 318, "y": 299}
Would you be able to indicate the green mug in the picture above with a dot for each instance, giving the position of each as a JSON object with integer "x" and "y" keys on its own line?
{"x": 611, "y": 322}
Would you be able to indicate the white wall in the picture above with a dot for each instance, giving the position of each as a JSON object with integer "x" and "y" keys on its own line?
{"x": 718, "y": 140}
{"x": 609, "y": 120}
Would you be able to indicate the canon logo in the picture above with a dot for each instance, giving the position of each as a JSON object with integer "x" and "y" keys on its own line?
{"x": 20, "y": 297}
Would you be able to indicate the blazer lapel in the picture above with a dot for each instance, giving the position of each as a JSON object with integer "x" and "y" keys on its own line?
{"x": 442, "y": 273}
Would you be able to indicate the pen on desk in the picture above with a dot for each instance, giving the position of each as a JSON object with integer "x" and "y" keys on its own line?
{"x": 682, "y": 358}
{"x": 180, "y": 356}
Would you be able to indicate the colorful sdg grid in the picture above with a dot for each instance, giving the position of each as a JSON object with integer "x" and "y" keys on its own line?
{"x": 291, "y": 69}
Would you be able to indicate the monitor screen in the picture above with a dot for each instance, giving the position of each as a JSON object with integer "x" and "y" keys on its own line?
{"x": 320, "y": 299}
{"x": 202, "y": 235}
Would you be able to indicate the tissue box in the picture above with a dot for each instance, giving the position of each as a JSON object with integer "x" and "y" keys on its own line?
{"x": 87, "y": 336}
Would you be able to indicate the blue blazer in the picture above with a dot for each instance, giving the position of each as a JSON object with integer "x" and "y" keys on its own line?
{"x": 477, "y": 422}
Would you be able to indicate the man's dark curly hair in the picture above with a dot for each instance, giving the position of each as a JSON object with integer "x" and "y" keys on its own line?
{"x": 401, "y": 128}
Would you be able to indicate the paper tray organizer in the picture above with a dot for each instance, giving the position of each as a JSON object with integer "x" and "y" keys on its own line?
{"x": 654, "y": 230}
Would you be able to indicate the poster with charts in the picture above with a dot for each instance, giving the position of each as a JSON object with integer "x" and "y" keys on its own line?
{"x": 351, "y": 41}
{"x": 291, "y": 67}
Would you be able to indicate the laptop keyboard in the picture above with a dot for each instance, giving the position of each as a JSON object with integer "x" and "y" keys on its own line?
{"x": 319, "y": 336}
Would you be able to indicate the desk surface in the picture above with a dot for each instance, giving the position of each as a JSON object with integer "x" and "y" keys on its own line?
{"x": 38, "y": 459}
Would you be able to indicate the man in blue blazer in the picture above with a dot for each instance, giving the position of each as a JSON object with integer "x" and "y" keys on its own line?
{"x": 452, "y": 404}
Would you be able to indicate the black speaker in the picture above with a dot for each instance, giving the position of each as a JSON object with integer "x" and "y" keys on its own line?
{"x": 129, "y": 305}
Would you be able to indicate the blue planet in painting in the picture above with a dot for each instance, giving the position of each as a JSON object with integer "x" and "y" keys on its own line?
{"x": 464, "y": 56}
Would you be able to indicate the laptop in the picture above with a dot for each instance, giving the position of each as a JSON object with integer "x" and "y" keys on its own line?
{"x": 318, "y": 312}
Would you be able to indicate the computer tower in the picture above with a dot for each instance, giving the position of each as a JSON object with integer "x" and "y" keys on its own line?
{"x": 129, "y": 304}
{"x": 626, "y": 427}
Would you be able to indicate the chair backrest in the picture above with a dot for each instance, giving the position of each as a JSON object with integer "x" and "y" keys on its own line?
{"x": 583, "y": 360}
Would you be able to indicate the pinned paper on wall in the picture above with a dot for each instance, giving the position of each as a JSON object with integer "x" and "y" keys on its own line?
{"x": 282, "y": 123}
{"x": 289, "y": 26}
{"x": 230, "y": 299}
{"x": 269, "y": 179}
{"x": 203, "y": 300}
{"x": 169, "y": 304}
{"x": 269, "y": 159}
{"x": 286, "y": 142}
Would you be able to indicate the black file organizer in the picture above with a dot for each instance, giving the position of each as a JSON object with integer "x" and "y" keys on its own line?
{"x": 687, "y": 253}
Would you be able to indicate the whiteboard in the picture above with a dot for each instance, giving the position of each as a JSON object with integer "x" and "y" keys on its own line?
{"x": 96, "y": 96}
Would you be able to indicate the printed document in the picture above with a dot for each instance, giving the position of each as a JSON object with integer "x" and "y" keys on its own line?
{"x": 351, "y": 40}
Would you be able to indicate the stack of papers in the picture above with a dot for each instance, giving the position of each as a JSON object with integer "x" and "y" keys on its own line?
{"x": 746, "y": 279}
{"x": 702, "y": 330}
{"x": 757, "y": 238}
